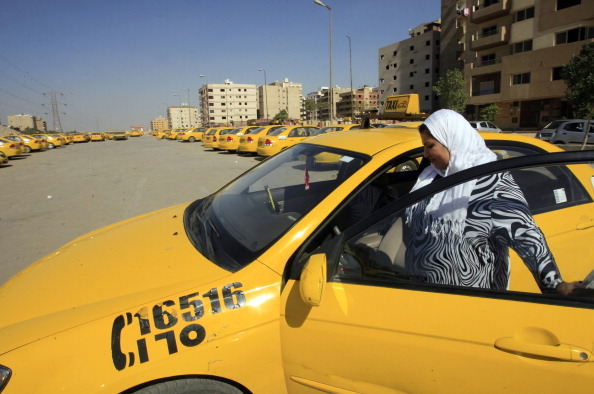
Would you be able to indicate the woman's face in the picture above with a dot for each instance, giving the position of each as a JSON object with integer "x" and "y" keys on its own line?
{"x": 437, "y": 154}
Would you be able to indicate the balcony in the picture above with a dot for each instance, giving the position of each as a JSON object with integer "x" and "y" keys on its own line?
{"x": 487, "y": 10}
{"x": 483, "y": 67}
{"x": 492, "y": 39}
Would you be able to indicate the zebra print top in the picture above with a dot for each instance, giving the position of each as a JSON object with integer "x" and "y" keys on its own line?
{"x": 498, "y": 218}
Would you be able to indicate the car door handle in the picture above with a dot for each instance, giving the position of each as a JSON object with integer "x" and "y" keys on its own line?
{"x": 529, "y": 349}
{"x": 585, "y": 225}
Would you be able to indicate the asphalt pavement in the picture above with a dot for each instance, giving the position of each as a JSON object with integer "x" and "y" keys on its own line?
{"x": 49, "y": 198}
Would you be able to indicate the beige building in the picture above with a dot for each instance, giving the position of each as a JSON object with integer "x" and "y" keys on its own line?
{"x": 159, "y": 123}
{"x": 182, "y": 116}
{"x": 412, "y": 66}
{"x": 23, "y": 122}
{"x": 228, "y": 104}
{"x": 274, "y": 97}
{"x": 352, "y": 104}
{"x": 512, "y": 52}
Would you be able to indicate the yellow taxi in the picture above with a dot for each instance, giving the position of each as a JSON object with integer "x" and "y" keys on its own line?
{"x": 230, "y": 142}
{"x": 269, "y": 286}
{"x": 97, "y": 137}
{"x": 282, "y": 138}
{"x": 67, "y": 139}
{"x": 28, "y": 144}
{"x": 211, "y": 138}
{"x": 136, "y": 133}
{"x": 118, "y": 135}
{"x": 11, "y": 149}
{"x": 53, "y": 140}
{"x": 161, "y": 134}
{"x": 248, "y": 143}
{"x": 172, "y": 135}
{"x": 80, "y": 137}
{"x": 192, "y": 135}
{"x": 337, "y": 128}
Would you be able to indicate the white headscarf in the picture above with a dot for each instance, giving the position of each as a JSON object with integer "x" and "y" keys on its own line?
{"x": 467, "y": 149}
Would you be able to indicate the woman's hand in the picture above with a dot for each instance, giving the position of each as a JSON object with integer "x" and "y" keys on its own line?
{"x": 566, "y": 288}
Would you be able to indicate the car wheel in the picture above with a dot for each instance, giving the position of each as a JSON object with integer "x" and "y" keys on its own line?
{"x": 51, "y": 146}
{"x": 185, "y": 386}
{"x": 191, "y": 139}
{"x": 409, "y": 165}
{"x": 27, "y": 149}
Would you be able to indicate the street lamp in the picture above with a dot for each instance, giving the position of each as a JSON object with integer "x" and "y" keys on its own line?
{"x": 265, "y": 95}
{"x": 179, "y": 111}
{"x": 351, "y": 76}
{"x": 204, "y": 106}
{"x": 189, "y": 114}
{"x": 330, "y": 91}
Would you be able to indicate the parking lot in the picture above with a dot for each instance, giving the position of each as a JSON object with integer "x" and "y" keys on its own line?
{"x": 52, "y": 197}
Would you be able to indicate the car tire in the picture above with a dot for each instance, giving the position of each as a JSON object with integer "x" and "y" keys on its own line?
{"x": 51, "y": 146}
{"x": 193, "y": 386}
{"x": 191, "y": 139}
{"x": 409, "y": 165}
{"x": 27, "y": 149}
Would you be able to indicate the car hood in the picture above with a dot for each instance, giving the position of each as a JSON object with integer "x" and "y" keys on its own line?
{"x": 107, "y": 270}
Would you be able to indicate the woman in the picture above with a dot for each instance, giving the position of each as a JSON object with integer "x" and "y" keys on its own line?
{"x": 461, "y": 236}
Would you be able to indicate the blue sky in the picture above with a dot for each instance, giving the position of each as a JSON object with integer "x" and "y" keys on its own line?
{"x": 121, "y": 62}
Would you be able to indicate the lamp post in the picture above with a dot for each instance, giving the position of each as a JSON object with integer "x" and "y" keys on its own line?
{"x": 265, "y": 95}
{"x": 351, "y": 77}
{"x": 204, "y": 104}
{"x": 330, "y": 90}
{"x": 179, "y": 112}
{"x": 189, "y": 114}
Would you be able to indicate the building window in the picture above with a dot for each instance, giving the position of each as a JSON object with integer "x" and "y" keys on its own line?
{"x": 381, "y": 57}
{"x": 426, "y": 84}
{"x": 411, "y": 74}
{"x": 523, "y": 46}
{"x": 395, "y": 90}
{"x": 520, "y": 79}
{"x": 395, "y": 77}
{"x": 394, "y": 53}
{"x": 382, "y": 80}
{"x": 412, "y": 61}
{"x": 427, "y": 57}
{"x": 426, "y": 98}
{"x": 489, "y": 31}
{"x": 427, "y": 43}
{"x": 490, "y": 2}
{"x": 487, "y": 60}
{"x": 412, "y": 47}
{"x": 528, "y": 13}
{"x": 573, "y": 35}
{"x": 562, "y": 4}
{"x": 557, "y": 73}
{"x": 388, "y": 67}
{"x": 412, "y": 87}
{"x": 394, "y": 65}
{"x": 427, "y": 71}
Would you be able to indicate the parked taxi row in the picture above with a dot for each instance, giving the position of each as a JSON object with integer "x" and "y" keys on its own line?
{"x": 259, "y": 140}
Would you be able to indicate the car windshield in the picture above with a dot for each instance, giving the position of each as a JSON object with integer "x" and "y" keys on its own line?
{"x": 255, "y": 131}
{"x": 237, "y": 224}
{"x": 554, "y": 124}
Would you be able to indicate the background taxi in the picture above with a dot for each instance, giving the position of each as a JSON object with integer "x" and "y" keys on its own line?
{"x": 270, "y": 286}
{"x": 28, "y": 143}
{"x": 282, "y": 138}
{"x": 210, "y": 139}
{"x": 191, "y": 135}
{"x": 248, "y": 143}
{"x": 11, "y": 149}
{"x": 230, "y": 142}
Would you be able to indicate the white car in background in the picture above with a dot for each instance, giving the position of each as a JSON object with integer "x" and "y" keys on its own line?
{"x": 566, "y": 132}
{"x": 482, "y": 125}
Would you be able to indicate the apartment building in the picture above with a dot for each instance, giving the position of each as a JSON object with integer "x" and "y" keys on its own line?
{"x": 228, "y": 104}
{"x": 412, "y": 66}
{"x": 274, "y": 97}
{"x": 23, "y": 122}
{"x": 353, "y": 103}
{"x": 159, "y": 123}
{"x": 182, "y": 116}
{"x": 512, "y": 52}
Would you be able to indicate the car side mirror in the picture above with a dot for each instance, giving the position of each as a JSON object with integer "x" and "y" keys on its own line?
{"x": 313, "y": 279}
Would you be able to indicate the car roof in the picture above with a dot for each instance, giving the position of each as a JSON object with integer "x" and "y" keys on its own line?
{"x": 373, "y": 141}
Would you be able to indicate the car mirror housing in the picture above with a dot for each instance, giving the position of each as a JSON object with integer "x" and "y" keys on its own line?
{"x": 312, "y": 280}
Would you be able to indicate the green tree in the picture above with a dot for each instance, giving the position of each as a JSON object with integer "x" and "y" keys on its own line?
{"x": 450, "y": 90}
{"x": 282, "y": 115}
{"x": 579, "y": 77}
{"x": 490, "y": 112}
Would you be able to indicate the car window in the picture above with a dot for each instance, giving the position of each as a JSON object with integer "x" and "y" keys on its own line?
{"x": 403, "y": 249}
{"x": 574, "y": 126}
{"x": 554, "y": 124}
{"x": 276, "y": 132}
{"x": 298, "y": 132}
{"x": 491, "y": 125}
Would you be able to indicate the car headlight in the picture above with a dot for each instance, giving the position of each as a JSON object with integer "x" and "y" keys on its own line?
{"x": 4, "y": 377}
